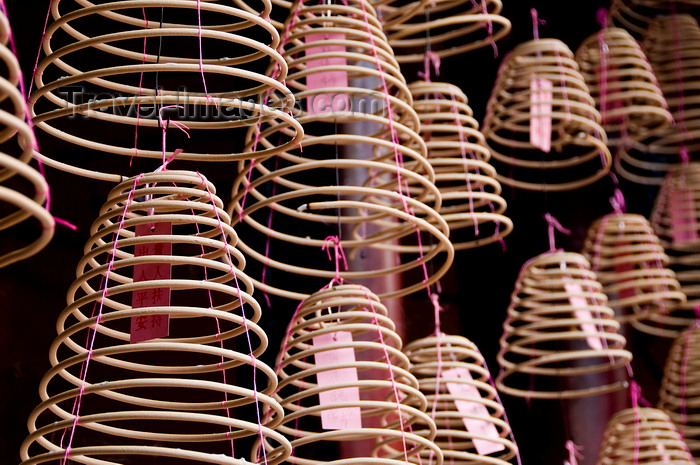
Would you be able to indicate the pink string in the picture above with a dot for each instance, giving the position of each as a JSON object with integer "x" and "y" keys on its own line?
{"x": 536, "y": 23}
{"x": 245, "y": 319}
{"x": 92, "y": 331}
{"x": 618, "y": 202}
{"x": 552, "y": 224}
{"x": 574, "y": 452}
{"x": 338, "y": 257}
{"x": 138, "y": 106}
{"x": 435, "y": 299}
{"x": 41, "y": 43}
{"x": 431, "y": 58}
{"x": 680, "y": 109}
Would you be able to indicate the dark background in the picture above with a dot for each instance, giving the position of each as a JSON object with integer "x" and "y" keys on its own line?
{"x": 475, "y": 292}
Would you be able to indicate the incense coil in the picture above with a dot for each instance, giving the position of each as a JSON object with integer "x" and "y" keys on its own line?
{"x": 446, "y": 27}
{"x": 23, "y": 190}
{"x": 675, "y": 221}
{"x": 342, "y": 181}
{"x": 472, "y": 203}
{"x": 137, "y": 399}
{"x": 434, "y": 355}
{"x": 558, "y": 330}
{"x": 579, "y": 154}
{"x": 643, "y": 435}
{"x": 113, "y": 100}
{"x": 636, "y": 15}
{"x": 630, "y": 262}
{"x": 355, "y": 317}
{"x": 623, "y": 85}
{"x": 678, "y": 396}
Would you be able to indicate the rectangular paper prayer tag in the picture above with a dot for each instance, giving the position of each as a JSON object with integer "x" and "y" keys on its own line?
{"x": 319, "y": 104}
{"x": 337, "y": 418}
{"x": 583, "y": 313}
{"x": 683, "y": 221}
{"x": 474, "y": 426}
{"x": 540, "y": 114}
{"x": 144, "y": 328}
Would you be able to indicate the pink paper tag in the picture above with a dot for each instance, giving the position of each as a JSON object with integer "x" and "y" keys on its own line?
{"x": 540, "y": 114}
{"x": 583, "y": 313}
{"x": 683, "y": 221}
{"x": 337, "y": 418}
{"x": 319, "y": 104}
{"x": 144, "y": 328}
{"x": 474, "y": 426}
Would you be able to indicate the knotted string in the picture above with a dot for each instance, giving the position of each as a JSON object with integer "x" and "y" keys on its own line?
{"x": 574, "y": 452}
{"x": 536, "y": 23}
{"x": 552, "y": 224}
{"x": 338, "y": 257}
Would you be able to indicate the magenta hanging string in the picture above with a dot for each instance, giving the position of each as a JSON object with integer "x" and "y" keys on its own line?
{"x": 602, "y": 17}
{"x": 488, "y": 25}
{"x": 536, "y": 23}
{"x": 338, "y": 257}
{"x": 431, "y": 59}
{"x": 574, "y": 452}
{"x": 680, "y": 121}
{"x": 618, "y": 201}
{"x": 253, "y": 359}
{"x": 552, "y": 224}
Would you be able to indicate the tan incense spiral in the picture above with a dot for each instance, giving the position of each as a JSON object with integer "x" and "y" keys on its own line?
{"x": 23, "y": 190}
{"x": 159, "y": 233}
{"x": 679, "y": 395}
{"x": 630, "y": 262}
{"x": 559, "y": 329}
{"x": 453, "y": 375}
{"x": 341, "y": 352}
{"x": 350, "y": 177}
{"x": 539, "y": 85}
{"x": 635, "y": 15}
{"x": 636, "y": 435}
{"x": 472, "y": 203}
{"x": 165, "y": 67}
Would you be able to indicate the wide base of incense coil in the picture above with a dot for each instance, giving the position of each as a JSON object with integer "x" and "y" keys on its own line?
{"x": 166, "y": 396}
{"x": 430, "y": 358}
{"x": 353, "y": 316}
{"x": 639, "y": 165}
{"x": 630, "y": 262}
{"x": 558, "y": 331}
{"x": 675, "y": 221}
{"x": 642, "y": 435}
{"x": 623, "y": 85}
{"x": 445, "y": 27}
{"x": 471, "y": 197}
{"x": 579, "y": 155}
{"x": 22, "y": 189}
{"x": 679, "y": 395}
{"x": 120, "y": 98}
{"x": 297, "y": 219}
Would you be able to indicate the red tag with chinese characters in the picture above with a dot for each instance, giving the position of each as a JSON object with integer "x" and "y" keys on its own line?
{"x": 337, "y": 418}
{"x": 474, "y": 426}
{"x": 540, "y": 114}
{"x": 583, "y": 313}
{"x": 683, "y": 221}
{"x": 320, "y": 104}
{"x": 144, "y": 328}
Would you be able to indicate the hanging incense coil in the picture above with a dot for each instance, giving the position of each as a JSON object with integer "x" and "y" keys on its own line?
{"x": 680, "y": 389}
{"x": 175, "y": 46}
{"x": 539, "y": 85}
{"x": 167, "y": 396}
{"x": 471, "y": 196}
{"x": 445, "y": 27}
{"x": 675, "y": 221}
{"x": 642, "y": 435}
{"x": 635, "y": 15}
{"x": 559, "y": 330}
{"x": 23, "y": 190}
{"x": 346, "y": 327}
{"x": 671, "y": 44}
{"x": 439, "y": 360}
{"x": 630, "y": 262}
{"x": 623, "y": 85}
{"x": 351, "y": 175}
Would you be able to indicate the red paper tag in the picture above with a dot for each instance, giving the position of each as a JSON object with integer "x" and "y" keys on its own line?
{"x": 337, "y": 418}
{"x": 683, "y": 221}
{"x": 540, "y": 114}
{"x": 583, "y": 313}
{"x": 144, "y": 328}
{"x": 474, "y": 426}
{"x": 320, "y": 104}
